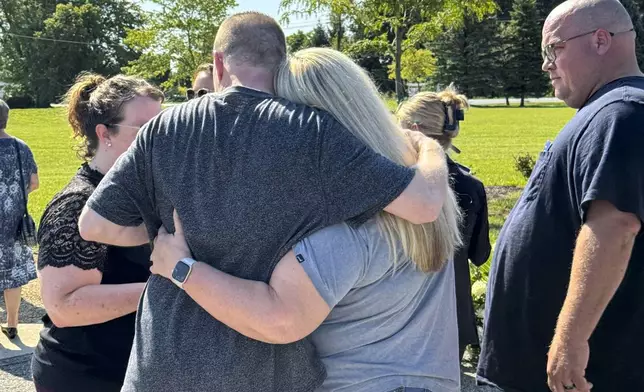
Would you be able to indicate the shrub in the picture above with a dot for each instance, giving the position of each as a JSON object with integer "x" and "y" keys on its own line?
{"x": 524, "y": 164}
{"x": 20, "y": 102}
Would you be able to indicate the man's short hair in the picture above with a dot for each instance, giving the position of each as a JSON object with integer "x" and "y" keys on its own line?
{"x": 4, "y": 114}
{"x": 252, "y": 38}
{"x": 205, "y": 67}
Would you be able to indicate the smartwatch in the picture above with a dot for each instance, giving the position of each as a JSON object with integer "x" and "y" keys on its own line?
{"x": 182, "y": 271}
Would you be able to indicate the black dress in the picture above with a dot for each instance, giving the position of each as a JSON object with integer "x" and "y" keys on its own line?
{"x": 476, "y": 248}
{"x": 94, "y": 357}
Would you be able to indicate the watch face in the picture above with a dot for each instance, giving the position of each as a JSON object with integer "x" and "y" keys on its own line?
{"x": 180, "y": 271}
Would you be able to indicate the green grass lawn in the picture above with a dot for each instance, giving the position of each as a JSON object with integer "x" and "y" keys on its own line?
{"x": 489, "y": 140}
{"x": 50, "y": 138}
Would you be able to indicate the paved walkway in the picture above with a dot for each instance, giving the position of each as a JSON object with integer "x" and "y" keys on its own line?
{"x": 15, "y": 359}
{"x": 15, "y": 363}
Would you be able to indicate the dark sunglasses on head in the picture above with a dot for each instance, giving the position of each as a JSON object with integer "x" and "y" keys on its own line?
{"x": 548, "y": 51}
{"x": 190, "y": 93}
{"x": 458, "y": 115}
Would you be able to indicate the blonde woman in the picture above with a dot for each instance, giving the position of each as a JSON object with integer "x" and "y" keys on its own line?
{"x": 380, "y": 305}
{"x": 437, "y": 115}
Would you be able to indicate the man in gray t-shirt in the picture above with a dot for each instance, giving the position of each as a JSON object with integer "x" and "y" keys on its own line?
{"x": 250, "y": 175}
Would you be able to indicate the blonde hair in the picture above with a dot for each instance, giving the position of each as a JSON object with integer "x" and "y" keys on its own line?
{"x": 329, "y": 80}
{"x": 425, "y": 112}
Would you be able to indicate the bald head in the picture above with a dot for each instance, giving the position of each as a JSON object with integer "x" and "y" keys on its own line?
{"x": 579, "y": 16}
{"x": 586, "y": 44}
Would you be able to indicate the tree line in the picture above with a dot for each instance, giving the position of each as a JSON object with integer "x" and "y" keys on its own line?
{"x": 486, "y": 48}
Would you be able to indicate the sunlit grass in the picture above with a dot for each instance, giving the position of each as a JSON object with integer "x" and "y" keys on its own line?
{"x": 489, "y": 140}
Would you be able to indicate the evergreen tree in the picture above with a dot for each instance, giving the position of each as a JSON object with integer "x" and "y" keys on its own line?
{"x": 522, "y": 74}
{"x": 318, "y": 38}
{"x": 635, "y": 10}
{"x": 544, "y": 7}
{"x": 469, "y": 57}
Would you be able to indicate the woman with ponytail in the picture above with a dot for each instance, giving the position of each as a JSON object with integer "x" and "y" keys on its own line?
{"x": 437, "y": 115}
{"x": 90, "y": 290}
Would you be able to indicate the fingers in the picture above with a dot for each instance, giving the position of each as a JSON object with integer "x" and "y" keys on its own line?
{"x": 178, "y": 226}
{"x": 555, "y": 386}
{"x": 580, "y": 383}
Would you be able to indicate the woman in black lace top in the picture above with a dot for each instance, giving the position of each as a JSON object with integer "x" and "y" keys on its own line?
{"x": 90, "y": 290}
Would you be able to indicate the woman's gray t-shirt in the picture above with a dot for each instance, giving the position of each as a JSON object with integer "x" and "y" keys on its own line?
{"x": 386, "y": 329}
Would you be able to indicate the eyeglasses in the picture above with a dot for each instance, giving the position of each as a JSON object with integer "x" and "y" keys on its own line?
{"x": 190, "y": 93}
{"x": 548, "y": 52}
{"x": 122, "y": 125}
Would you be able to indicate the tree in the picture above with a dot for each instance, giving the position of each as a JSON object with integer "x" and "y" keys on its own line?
{"x": 635, "y": 11}
{"x": 177, "y": 38}
{"x": 297, "y": 41}
{"x": 318, "y": 38}
{"x": 417, "y": 65}
{"x": 371, "y": 52}
{"x": 337, "y": 30}
{"x": 46, "y": 43}
{"x": 339, "y": 12}
{"x": 522, "y": 65}
{"x": 433, "y": 16}
{"x": 469, "y": 57}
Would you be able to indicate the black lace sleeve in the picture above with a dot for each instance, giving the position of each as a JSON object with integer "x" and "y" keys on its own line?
{"x": 60, "y": 242}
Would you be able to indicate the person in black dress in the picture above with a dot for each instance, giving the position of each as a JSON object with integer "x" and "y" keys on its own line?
{"x": 437, "y": 115}
{"x": 91, "y": 290}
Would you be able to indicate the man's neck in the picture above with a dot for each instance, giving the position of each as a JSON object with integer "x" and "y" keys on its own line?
{"x": 4, "y": 134}
{"x": 256, "y": 79}
{"x": 624, "y": 72}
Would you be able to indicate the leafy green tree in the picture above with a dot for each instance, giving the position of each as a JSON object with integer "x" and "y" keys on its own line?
{"x": 46, "y": 43}
{"x": 339, "y": 11}
{"x": 370, "y": 50}
{"x": 398, "y": 16}
{"x": 176, "y": 39}
{"x": 297, "y": 41}
{"x": 417, "y": 65}
{"x": 434, "y": 15}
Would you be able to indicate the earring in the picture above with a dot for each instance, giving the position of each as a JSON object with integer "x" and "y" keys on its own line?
{"x": 109, "y": 144}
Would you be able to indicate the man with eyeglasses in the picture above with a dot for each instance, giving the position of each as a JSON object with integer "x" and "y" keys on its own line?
{"x": 565, "y": 300}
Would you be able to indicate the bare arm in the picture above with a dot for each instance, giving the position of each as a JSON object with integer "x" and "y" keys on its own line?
{"x": 602, "y": 252}
{"x": 74, "y": 297}
{"x": 422, "y": 201}
{"x": 285, "y": 310}
{"x": 94, "y": 227}
{"x": 33, "y": 182}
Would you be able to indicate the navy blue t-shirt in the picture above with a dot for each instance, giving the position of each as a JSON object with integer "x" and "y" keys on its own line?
{"x": 599, "y": 155}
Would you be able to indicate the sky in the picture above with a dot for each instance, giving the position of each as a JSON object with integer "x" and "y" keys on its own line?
{"x": 271, "y": 7}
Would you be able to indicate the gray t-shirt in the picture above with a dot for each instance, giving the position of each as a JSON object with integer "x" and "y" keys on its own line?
{"x": 249, "y": 175}
{"x": 386, "y": 329}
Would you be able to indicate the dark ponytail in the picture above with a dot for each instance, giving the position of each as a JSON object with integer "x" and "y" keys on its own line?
{"x": 94, "y": 100}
